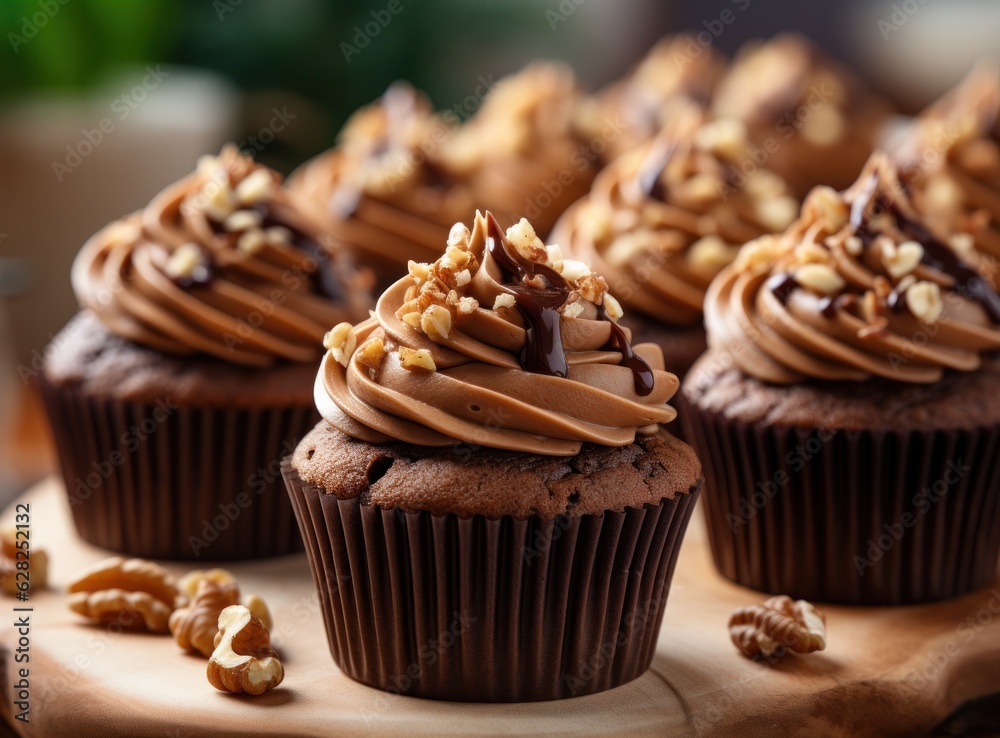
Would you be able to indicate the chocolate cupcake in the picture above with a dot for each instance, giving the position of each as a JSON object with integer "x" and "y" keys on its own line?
{"x": 532, "y": 149}
{"x": 847, "y": 411}
{"x": 950, "y": 160}
{"x": 677, "y": 70}
{"x": 491, "y": 509}
{"x": 810, "y": 120}
{"x": 662, "y": 220}
{"x": 385, "y": 189}
{"x": 183, "y": 381}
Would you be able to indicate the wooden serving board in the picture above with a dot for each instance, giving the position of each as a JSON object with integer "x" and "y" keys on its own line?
{"x": 900, "y": 671}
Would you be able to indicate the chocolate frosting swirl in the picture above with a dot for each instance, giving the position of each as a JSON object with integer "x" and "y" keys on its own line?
{"x": 950, "y": 159}
{"x": 677, "y": 70}
{"x": 386, "y": 187}
{"x": 499, "y": 343}
{"x": 663, "y": 219}
{"x": 814, "y": 120}
{"x": 856, "y": 288}
{"x": 221, "y": 263}
{"x": 531, "y": 147}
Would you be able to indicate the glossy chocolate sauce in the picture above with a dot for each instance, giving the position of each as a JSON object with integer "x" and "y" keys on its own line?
{"x": 969, "y": 283}
{"x": 649, "y": 175}
{"x": 782, "y": 285}
{"x": 642, "y": 375}
{"x": 543, "y": 351}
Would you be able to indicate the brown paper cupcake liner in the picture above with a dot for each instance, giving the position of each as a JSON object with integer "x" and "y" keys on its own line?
{"x": 475, "y": 609}
{"x": 854, "y": 517}
{"x": 166, "y": 481}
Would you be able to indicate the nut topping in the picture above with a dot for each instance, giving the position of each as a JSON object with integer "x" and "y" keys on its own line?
{"x": 243, "y": 660}
{"x": 132, "y": 592}
{"x": 341, "y": 342}
{"x": 778, "y": 626}
{"x": 416, "y": 360}
{"x": 194, "y": 627}
{"x": 924, "y": 300}
{"x": 819, "y": 278}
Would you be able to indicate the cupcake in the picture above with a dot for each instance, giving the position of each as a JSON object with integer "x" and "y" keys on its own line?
{"x": 810, "y": 120}
{"x": 385, "y": 190}
{"x": 950, "y": 161}
{"x": 491, "y": 509}
{"x": 178, "y": 388}
{"x": 678, "y": 69}
{"x": 531, "y": 148}
{"x": 663, "y": 219}
{"x": 848, "y": 409}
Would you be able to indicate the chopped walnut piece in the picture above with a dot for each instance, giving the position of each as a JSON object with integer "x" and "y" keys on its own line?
{"x": 187, "y": 261}
{"x": 574, "y": 270}
{"x": 612, "y": 307}
{"x": 416, "y": 359}
{"x": 526, "y": 242}
{"x": 504, "y": 300}
{"x": 341, "y": 342}
{"x": 778, "y": 626}
{"x": 372, "y": 352}
{"x": 255, "y": 187}
{"x": 902, "y": 259}
{"x": 924, "y": 300}
{"x": 216, "y": 198}
{"x": 758, "y": 253}
{"x": 554, "y": 256}
{"x": 278, "y": 235}
{"x": 419, "y": 271}
{"x": 436, "y": 323}
{"x": 459, "y": 236}
{"x": 709, "y": 254}
{"x": 243, "y": 660}
{"x": 776, "y": 213}
{"x": 819, "y": 278}
{"x": 251, "y": 241}
{"x": 853, "y": 245}
{"x": 243, "y": 220}
{"x": 726, "y": 137}
{"x": 825, "y": 205}
{"x": 412, "y": 319}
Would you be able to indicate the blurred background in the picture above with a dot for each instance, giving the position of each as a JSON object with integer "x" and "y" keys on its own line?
{"x": 103, "y": 102}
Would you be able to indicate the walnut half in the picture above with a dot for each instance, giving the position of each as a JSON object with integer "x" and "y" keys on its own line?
{"x": 195, "y": 626}
{"x": 778, "y": 626}
{"x": 243, "y": 660}
{"x": 130, "y": 592}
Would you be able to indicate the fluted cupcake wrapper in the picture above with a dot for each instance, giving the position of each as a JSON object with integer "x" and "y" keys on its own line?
{"x": 871, "y": 517}
{"x": 484, "y": 610}
{"x": 168, "y": 481}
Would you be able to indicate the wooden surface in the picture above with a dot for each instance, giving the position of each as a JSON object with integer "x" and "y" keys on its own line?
{"x": 886, "y": 671}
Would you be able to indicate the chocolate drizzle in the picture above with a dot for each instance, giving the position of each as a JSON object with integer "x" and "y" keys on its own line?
{"x": 642, "y": 375}
{"x": 782, "y": 285}
{"x": 649, "y": 176}
{"x": 543, "y": 351}
{"x": 937, "y": 255}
